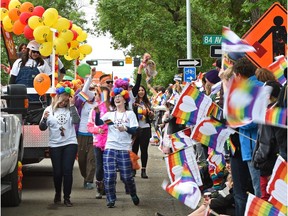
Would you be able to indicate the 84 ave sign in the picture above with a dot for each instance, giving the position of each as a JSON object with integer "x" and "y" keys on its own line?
{"x": 181, "y": 63}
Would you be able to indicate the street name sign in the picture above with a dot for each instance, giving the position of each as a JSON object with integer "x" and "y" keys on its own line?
{"x": 212, "y": 39}
{"x": 189, "y": 74}
{"x": 181, "y": 63}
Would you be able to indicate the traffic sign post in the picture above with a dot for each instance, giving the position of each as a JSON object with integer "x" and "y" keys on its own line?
{"x": 181, "y": 63}
{"x": 212, "y": 39}
{"x": 189, "y": 74}
{"x": 215, "y": 51}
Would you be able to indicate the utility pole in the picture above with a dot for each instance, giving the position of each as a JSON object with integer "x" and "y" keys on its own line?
{"x": 188, "y": 27}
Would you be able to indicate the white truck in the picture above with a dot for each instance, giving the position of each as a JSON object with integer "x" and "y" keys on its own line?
{"x": 14, "y": 105}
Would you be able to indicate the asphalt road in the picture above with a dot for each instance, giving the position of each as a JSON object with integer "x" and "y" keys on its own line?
{"x": 38, "y": 194}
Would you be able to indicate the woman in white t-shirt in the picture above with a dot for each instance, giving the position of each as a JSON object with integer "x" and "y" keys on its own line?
{"x": 26, "y": 68}
{"x": 60, "y": 118}
{"x": 122, "y": 123}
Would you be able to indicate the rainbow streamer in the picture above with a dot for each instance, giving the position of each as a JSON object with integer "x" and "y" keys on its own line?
{"x": 192, "y": 105}
{"x": 211, "y": 133}
{"x": 83, "y": 96}
{"x": 256, "y": 206}
{"x": 276, "y": 116}
{"x": 277, "y": 68}
{"x": 185, "y": 188}
{"x": 277, "y": 185}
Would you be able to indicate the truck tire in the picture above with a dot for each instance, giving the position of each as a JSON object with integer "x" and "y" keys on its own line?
{"x": 12, "y": 197}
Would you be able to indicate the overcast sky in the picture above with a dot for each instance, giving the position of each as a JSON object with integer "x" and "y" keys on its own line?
{"x": 101, "y": 49}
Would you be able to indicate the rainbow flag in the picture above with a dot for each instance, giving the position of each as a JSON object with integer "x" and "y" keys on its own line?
{"x": 256, "y": 206}
{"x": 179, "y": 143}
{"x": 231, "y": 146}
{"x": 277, "y": 186}
{"x": 174, "y": 163}
{"x": 232, "y": 43}
{"x": 211, "y": 133}
{"x": 276, "y": 116}
{"x": 83, "y": 96}
{"x": 277, "y": 68}
{"x": 226, "y": 63}
{"x": 245, "y": 102}
{"x": 192, "y": 105}
{"x": 216, "y": 160}
{"x": 185, "y": 188}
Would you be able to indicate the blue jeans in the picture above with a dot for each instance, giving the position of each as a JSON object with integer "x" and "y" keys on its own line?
{"x": 240, "y": 176}
{"x": 63, "y": 159}
{"x": 99, "y": 164}
{"x": 255, "y": 176}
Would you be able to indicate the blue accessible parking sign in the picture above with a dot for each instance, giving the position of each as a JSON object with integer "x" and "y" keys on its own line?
{"x": 189, "y": 74}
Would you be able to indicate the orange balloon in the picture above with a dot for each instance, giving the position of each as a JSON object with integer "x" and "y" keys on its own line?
{"x": 14, "y": 14}
{"x": 27, "y": 7}
{"x": 42, "y": 83}
{"x": 18, "y": 27}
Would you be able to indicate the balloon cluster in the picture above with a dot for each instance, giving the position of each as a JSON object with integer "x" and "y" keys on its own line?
{"x": 36, "y": 24}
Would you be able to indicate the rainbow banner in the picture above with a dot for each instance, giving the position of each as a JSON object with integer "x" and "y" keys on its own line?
{"x": 276, "y": 116}
{"x": 277, "y": 68}
{"x": 245, "y": 102}
{"x": 174, "y": 164}
{"x": 256, "y": 206}
{"x": 192, "y": 105}
{"x": 83, "y": 96}
{"x": 217, "y": 161}
{"x": 212, "y": 133}
{"x": 277, "y": 186}
{"x": 179, "y": 143}
{"x": 185, "y": 188}
{"x": 232, "y": 43}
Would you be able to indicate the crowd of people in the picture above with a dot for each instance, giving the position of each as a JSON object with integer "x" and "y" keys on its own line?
{"x": 102, "y": 124}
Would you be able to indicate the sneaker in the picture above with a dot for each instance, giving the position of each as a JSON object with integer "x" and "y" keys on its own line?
{"x": 111, "y": 204}
{"x": 135, "y": 199}
{"x": 68, "y": 203}
{"x": 57, "y": 199}
{"x": 89, "y": 186}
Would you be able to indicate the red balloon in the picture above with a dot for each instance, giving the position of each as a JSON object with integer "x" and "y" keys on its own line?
{"x": 5, "y": 3}
{"x": 38, "y": 11}
{"x": 28, "y": 33}
{"x": 71, "y": 23}
{"x": 75, "y": 34}
{"x": 24, "y": 17}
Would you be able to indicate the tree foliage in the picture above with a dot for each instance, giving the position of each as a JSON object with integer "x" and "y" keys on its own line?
{"x": 159, "y": 27}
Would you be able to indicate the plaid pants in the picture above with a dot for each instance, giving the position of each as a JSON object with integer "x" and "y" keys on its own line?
{"x": 113, "y": 159}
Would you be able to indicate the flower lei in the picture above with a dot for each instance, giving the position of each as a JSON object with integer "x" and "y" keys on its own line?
{"x": 20, "y": 175}
{"x": 141, "y": 110}
{"x": 62, "y": 89}
{"x": 121, "y": 91}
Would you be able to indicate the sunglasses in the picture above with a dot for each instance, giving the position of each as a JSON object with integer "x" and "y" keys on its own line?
{"x": 109, "y": 82}
{"x": 62, "y": 131}
{"x": 33, "y": 51}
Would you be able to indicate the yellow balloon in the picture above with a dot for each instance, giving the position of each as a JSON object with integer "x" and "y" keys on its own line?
{"x": 8, "y": 29}
{"x": 40, "y": 33}
{"x": 14, "y": 4}
{"x": 77, "y": 29}
{"x": 60, "y": 46}
{"x": 74, "y": 52}
{"x": 49, "y": 18}
{"x": 85, "y": 49}
{"x": 82, "y": 37}
{"x": 7, "y": 22}
{"x": 46, "y": 48}
{"x": 82, "y": 56}
{"x": 67, "y": 35}
{"x": 34, "y": 22}
{"x": 62, "y": 24}
{"x": 53, "y": 11}
{"x": 4, "y": 13}
{"x": 49, "y": 37}
{"x": 67, "y": 57}
{"x": 74, "y": 43}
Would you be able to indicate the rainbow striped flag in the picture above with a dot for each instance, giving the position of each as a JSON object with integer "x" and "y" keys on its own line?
{"x": 232, "y": 43}
{"x": 192, "y": 105}
{"x": 83, "y": 96}
{"x": 277, "y": 186}
{"x": 256, "y": 206}
{"x": 216, "y": 160}
{"x": 174, "y": 164}
{"x": 231, "y": 146}
{"x": 185, "y": 188}
{"x": 277, "y": 68}
{"x": 245, "y": 102}
{"x": 211, "y": 133}
{"x": 179, "y": 143}
{"x": 226, "y": 63}
{"x": 276, "y": 116}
